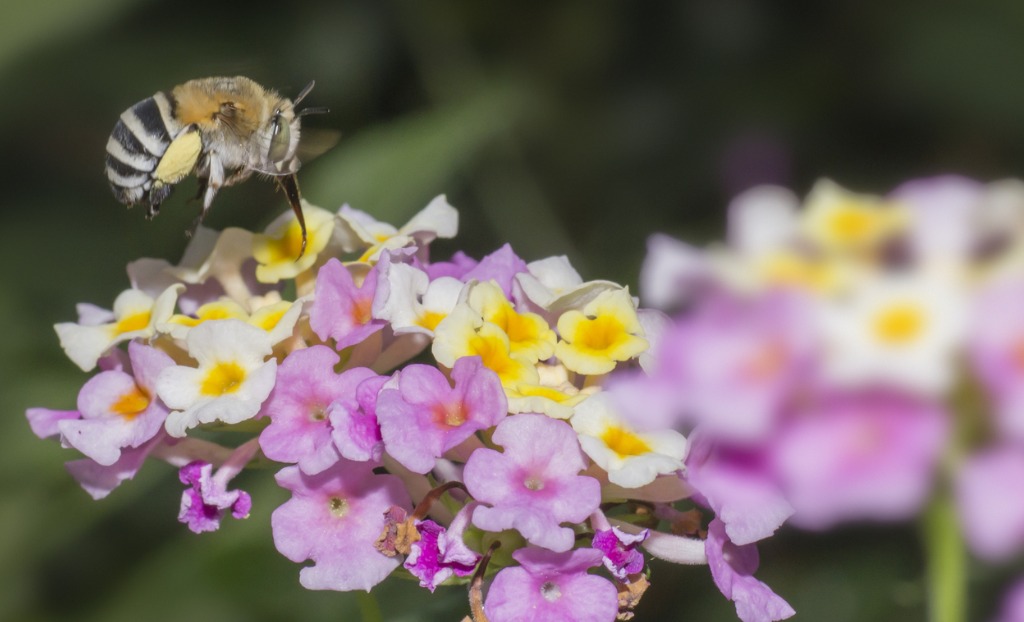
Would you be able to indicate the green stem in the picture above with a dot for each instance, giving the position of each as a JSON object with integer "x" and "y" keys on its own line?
{"x": 946, "y": 561}
{"x": 369, "y": 610}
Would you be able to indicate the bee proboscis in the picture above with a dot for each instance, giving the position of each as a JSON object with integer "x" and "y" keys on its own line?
{"x": 221, "y": 129}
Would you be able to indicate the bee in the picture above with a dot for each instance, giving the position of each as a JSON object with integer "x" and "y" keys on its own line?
{"x": 221, "y": 129}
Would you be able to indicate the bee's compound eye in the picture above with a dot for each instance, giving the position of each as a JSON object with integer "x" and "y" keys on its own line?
{"x": 280, "y": 138}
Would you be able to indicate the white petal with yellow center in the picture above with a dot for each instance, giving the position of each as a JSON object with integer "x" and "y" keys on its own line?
{"x": 135, "y": 316}
{"x": 410, "y": 302}
{"x": 230, "y": 381}
{"x": 631, "y": 458}
{"x": 840, "y": 221}
{"x": 897, "y": 331}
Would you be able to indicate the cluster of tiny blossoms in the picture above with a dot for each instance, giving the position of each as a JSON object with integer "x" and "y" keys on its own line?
{"x": 446, "y": 420}
{"x": 847, "y": 358}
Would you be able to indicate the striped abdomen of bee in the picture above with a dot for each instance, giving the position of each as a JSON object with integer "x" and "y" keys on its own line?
{"x": 136, "y": 151}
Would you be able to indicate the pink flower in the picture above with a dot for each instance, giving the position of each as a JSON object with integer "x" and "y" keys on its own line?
{"x": 552, "y": 587}
{"x": 860, "y": 456}
{"x": 533, "y": 486}
{"x": 997, "y": 352}
{"x": 119, "y": 410}
{"x": 307, "y": 389}
{"x": 739, "y": 485}
{"x": 341, "y": 310}
{"x": 732, "y": 568}
{"x": 990, "y": 504}
{"x": 501, "y": 266}
{"x": 426, "y": 416}
{"x": 354, "y": 419}
{"x": 334, "y": 518}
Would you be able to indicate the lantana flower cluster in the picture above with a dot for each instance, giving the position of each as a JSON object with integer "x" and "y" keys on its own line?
{"x": 441, "y": 420}
{"x": 507, "y": 426}
{"x": 848, "y": 357}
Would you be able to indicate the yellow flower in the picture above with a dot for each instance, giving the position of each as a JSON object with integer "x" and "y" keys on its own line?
{"x": 528, "y": 333}
{"x": 839, "y": 221}
{"x": 277, "y": 249}
{"x": 606, "y": 331}
{"x": 465, "y": 333}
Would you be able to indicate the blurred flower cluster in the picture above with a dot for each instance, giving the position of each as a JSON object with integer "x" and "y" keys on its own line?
{"x": 511, "y": 427}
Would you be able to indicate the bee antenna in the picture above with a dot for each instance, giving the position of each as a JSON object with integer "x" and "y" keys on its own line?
{"x": 309, "y": 111}
{"x": 302, "y": 94}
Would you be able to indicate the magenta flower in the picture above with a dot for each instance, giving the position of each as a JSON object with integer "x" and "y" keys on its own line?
{"x": 552, "y": 587}
{"x": 306, "y": 390}
{"x": 334, "y": 518}
{"x": 732, "y": 567}
{"x": 441, "y": 553}
{"x": 354, "y": 419}
{"x": 990, "y": 504}
{"x": 534, "y": 485}
{"x": 860, "y": 456}
{"x": 426, "y": 416}
{"x": 619, "y": 548}
{"x": 119, "y": 410}
{"x": 207, "y": 498}
{"x": 341, "y": 310}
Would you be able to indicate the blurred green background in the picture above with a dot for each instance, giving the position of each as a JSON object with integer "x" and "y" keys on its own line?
{"x": 572, "y": 128}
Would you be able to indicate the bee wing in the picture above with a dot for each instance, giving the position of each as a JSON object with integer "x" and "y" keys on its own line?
{"x": 314, "y": 142}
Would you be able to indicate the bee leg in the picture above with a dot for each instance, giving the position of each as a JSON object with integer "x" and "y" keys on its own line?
{"x": 290, "y": 185}
{"x": 209, "y": 187}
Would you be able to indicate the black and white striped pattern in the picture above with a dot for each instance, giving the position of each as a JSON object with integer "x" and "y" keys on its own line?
{"x": 134, "y": 149}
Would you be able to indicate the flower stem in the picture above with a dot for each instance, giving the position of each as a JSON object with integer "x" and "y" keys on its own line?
{"x": 946, "y": 561}
{"x": 369, "y": 610}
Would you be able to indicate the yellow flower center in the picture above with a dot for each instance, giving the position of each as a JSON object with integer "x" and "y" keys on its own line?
{"x": 430, "y": 319}
{"x": 223, "y": 378}
{"x": 132, "y": 322}
{"x": 495, "y": 356}
{"x": 899, "y": 324}
{"x": 850, "y": 224}
{"x": 624, "y": 443}
{"x": 599, "y": 333}
{"x": 131, "y": 404}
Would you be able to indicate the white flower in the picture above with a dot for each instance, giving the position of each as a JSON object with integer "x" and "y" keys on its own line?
{"x": 135, "y": 315}
{"x": 232, "y": 379}
{"x": 900, "y": 330}
{"x": 631, "y": 458}
{"x": 409, "y": 301}
{"x": 360, "y": 231}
